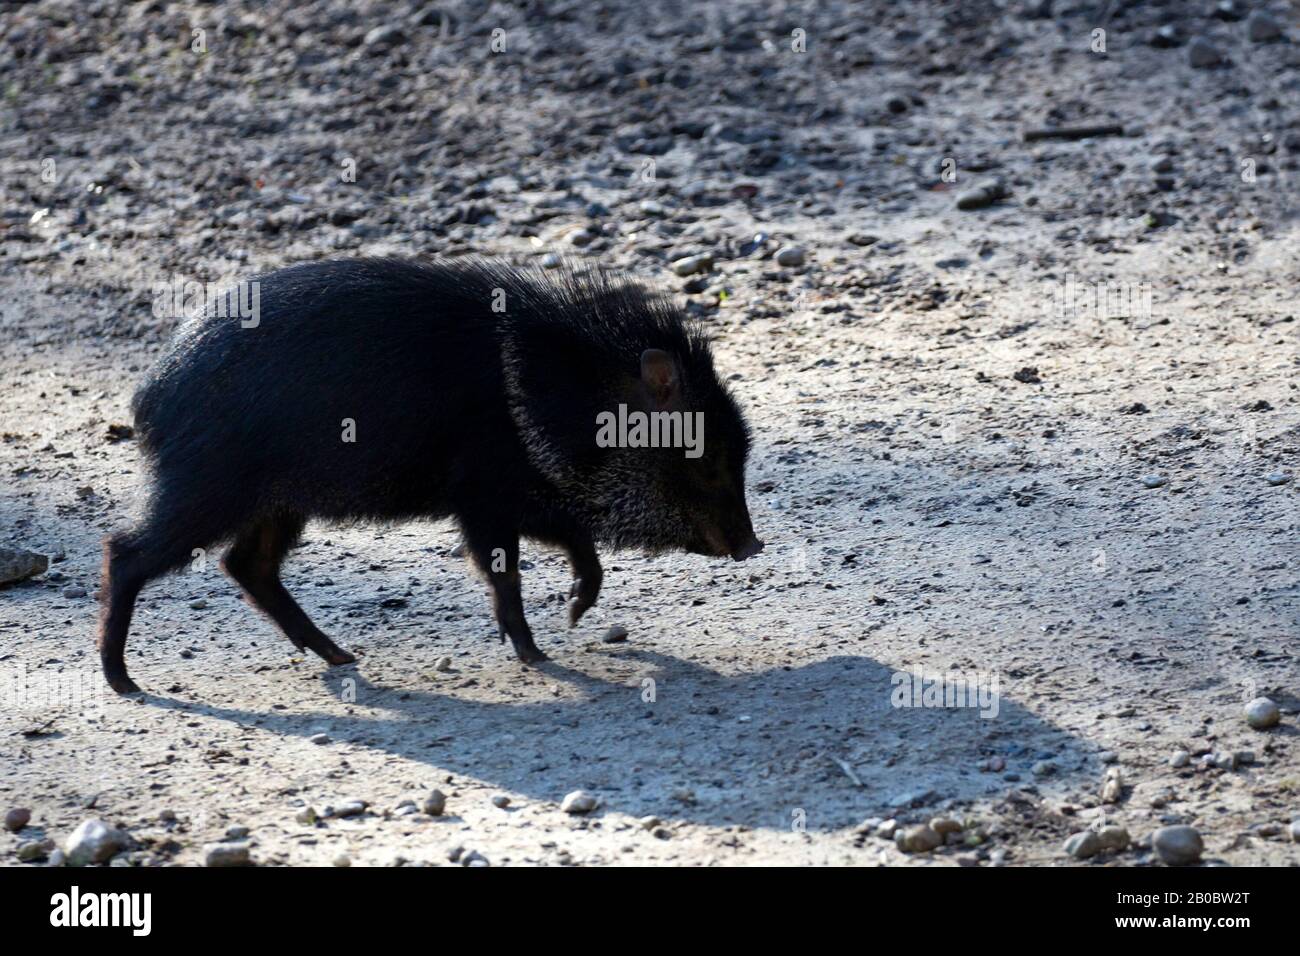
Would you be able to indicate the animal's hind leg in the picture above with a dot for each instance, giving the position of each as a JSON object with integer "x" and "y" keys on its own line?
{"x": 254, "y": 563}
{"x": 162, "y": 542}
{"x": 126, "y": 569}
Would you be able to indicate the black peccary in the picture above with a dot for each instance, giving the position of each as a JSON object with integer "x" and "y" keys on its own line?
{"x": 473, "y": 391}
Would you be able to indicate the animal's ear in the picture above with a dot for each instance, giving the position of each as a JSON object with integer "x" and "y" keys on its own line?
{"x": 659, "y": 376}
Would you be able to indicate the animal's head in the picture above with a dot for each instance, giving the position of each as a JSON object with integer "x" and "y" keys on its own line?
{"x": 619, "y": 405}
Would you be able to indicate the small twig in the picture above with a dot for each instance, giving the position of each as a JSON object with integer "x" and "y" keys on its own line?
{"x": 38, "y": 731}
{"x": 1073, "y": 132}
{"x": 848, "y": 771}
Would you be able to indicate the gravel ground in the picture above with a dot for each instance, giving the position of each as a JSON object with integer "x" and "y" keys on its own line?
{"x": 962, "y": 464}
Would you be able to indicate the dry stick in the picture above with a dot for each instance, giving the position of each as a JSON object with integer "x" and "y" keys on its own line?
{"x": 848, "y": 770}
{"x": 1073, "y": 132}
{"x": 39, "y": 731}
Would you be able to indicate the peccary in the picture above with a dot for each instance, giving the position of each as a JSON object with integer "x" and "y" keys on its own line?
{"x": 392, "y": 389}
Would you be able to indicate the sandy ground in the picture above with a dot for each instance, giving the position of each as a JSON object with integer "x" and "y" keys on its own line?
{"x": 928, "y": 503}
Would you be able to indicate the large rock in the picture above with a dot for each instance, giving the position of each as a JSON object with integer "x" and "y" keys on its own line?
{"x": 17, "y": 564}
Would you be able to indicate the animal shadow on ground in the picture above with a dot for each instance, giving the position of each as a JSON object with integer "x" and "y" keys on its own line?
{"x": 822, "y": 745}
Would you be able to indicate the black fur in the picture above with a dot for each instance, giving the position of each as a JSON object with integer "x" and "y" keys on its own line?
{"x": 486, "y": 415}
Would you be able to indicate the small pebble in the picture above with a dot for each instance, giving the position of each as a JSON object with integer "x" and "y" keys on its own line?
{"x": 500, "y": 800}
{"x": 74, "y": 591}
{"x": 226, "y": 854}
{"x": 17, "y": 818}
{"x": 1295, "y": 831}
{"x": 1112, "y": 786}
{"x": 343, "y": 860}
{"x": 1177, "y": 845}
{"x": 1201, "y": 54}
{"x": 1167, "y": 37}
{"x": 690, "y": 265}
{"x": 917, "y": 840}
{"x": 615, "y": 635}
{"x": 1114, "y": 838}
{"x": 443, "y": 665}
{"x": 1277, "y": 477}
{"x": 319, "y": 738}
{"x": 1262, "y": 713}
{"x": 579, "y": 801}
{"x": 1261, "y": 28}
{"x": 945, "y": 825}
{"x": 790, "y": 257}
{"x": 434, "y": 803}
{"x": 30, "y": 851}
{"x": 1180, "y": 758}
{"x": 1083, "y": 845}
{"x": 1154, "y": 481}
{"x": 350, "y": 808}
{"x": 199, "y": 604}
{"x": 984, "y": 193}
{"x": 94, "y": 841}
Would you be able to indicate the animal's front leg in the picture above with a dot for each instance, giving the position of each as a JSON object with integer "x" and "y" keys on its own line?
{"x": 587, "y": 575}
{"x": 497, "y": 556}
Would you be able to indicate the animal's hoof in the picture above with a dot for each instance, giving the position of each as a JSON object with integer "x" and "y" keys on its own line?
{"x": 339, "y": 656}
{"x": 576, "y": 610}
{"x": 530, "y": 655}
{"x": 581, "y": 600}
{"x": 122, "y": 684}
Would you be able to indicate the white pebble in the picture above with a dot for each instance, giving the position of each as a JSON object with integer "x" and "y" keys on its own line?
{"x": 579, "y": 801}
{"x": 226, "y": 854}
{"x": 1262, "y": 713}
